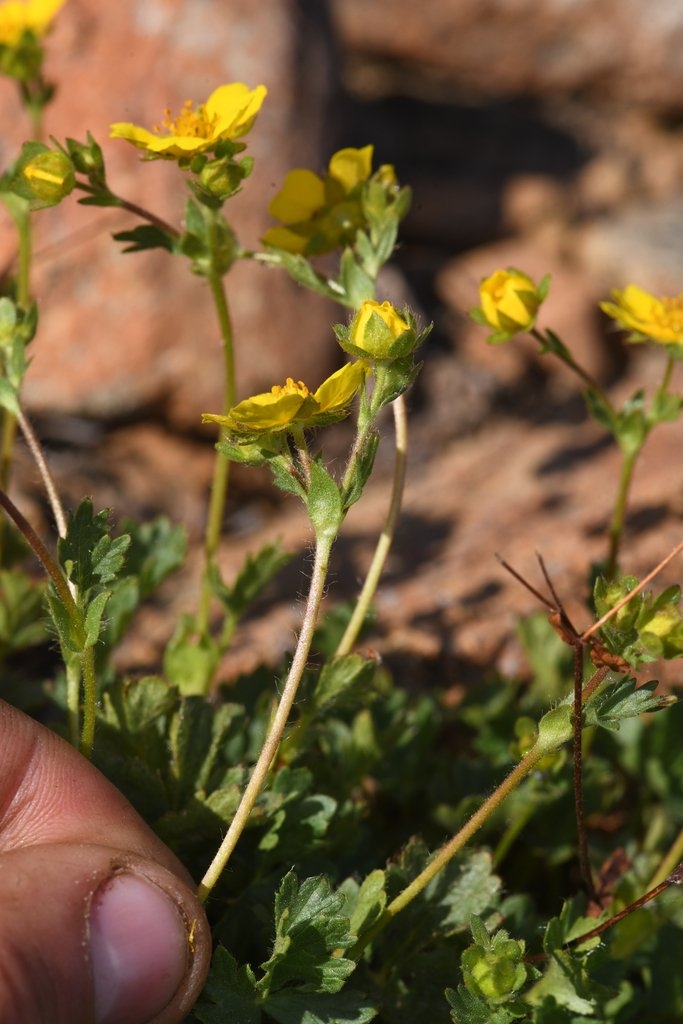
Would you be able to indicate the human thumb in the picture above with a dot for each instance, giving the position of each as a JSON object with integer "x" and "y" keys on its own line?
{"x": 100, "y": 923}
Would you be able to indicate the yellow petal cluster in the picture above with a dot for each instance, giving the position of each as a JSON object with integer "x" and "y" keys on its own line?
{"x": 20, "y": 16}
{"x": 509, "y": 301}
{"x": 660, "y": 319}
{"x": 292, "y": 405}
{"x": 228, "y": 113}
{"x": 320, "y": 214}
{"x": 375, "y": 327}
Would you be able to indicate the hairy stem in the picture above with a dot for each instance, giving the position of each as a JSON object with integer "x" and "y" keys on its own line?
{"x": 48, "y": 482}
{"x": 272, "y": 742}
{"x": 386, "y": 538}
{"x": 452, "y": 847}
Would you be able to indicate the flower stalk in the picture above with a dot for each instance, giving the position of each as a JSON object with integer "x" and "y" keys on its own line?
{"x": 272, "y": 742}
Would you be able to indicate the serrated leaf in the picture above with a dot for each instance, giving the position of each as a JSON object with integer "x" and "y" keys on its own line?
{"x": 467, "y": 1008}
{"x": 190, "y": 737}
{"x": 342, "y": 678}
{"x": 568, "y": 983}
{"x": 310, "y": 932}
{"x": 229, "y": 994}
{"x": 623, "y": 699}
{"x": 301, "y": 271}
{"x": 366, "y": 902}
{"x": 144, "y": 236}
{"x": 88, "y": 553}
{"x": 255, "y": 575}
{"x": 157, "y": 548}
{"x": 346, "y": 1007}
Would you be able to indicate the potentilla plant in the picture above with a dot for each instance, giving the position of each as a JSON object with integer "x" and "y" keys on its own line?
{"x": 309, "y": 779}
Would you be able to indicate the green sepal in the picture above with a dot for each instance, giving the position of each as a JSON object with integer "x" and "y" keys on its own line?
{"x": 93, "y": 618}
{"x": 324, "y": 501}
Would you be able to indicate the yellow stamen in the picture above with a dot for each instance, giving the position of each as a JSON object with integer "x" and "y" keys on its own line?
{"x": 672, "y": 313}
{"x": 290, "y": 387}
{"x": 190, "y": 122}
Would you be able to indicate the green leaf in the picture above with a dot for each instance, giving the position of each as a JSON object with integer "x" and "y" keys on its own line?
{"x": 467, "y": 1008}
{"x": 342, "y": 678}
{"x": 93, "y": 617}
{"x": 9, "y": 398}
{"x": 324, "y": 502}
{"x": 356, "y": 282}
{"x": 366, "y": 902}
{"x": 310, "y": 929}
{"x": 364, "y": 465}
{"x": 229, "y": 994}
{"x": 347, "y": 1007}
{"x": 301, "y": 271}
{"x": 145, "y": 236}
{"x": 624, "y": 699}
{"x": 88, "y": 553}
{"x": 254, "y": 576}
{"x": 157, "y": 548}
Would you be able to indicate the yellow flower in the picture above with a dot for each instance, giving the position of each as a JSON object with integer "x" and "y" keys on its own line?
{"x": 509, "y": 303}
{"x": 375, "y": 331}
{"x": 20, "y": 16}
{"x": 319, "y": 214}
{"x": 292, "y": 405}
{"x": 660, "y": 319}
{"x": 228, "y": 113}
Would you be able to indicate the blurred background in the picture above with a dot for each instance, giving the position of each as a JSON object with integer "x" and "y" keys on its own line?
{"x": 544, "y": 134}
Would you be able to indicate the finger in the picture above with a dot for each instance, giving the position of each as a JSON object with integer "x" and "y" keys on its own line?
{"x": 100, "y": 921}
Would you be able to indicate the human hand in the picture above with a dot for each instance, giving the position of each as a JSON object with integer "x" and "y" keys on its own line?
{"x": 99, "y": 921}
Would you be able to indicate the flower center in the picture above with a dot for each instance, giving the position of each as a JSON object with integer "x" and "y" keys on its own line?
{"x": 195, "y": 123}
{"x": 290, "y": 387}
{"x": 672, "y": 313}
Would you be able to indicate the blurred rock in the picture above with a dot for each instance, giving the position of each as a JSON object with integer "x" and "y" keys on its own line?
{"x": 641, "y": 244}
{"x": 122, "y": 333}
{"x": 612, "y": 50}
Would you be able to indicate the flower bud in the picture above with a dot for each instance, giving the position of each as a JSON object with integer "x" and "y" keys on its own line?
{"x": 509, "y": 303}
{"x": 49, "y": 176}
{"x": 378, "y": 332}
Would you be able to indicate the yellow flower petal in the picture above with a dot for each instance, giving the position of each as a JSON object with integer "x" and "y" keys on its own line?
{"x": 283, "y": 238}
{"x": 234, "y": 106}
{"x": 19, "y": 16}
{"x": 660, "y": 319}
{"x": 351, "y": 166}
{"x": 301, "y": 195}
{"x": 228, "y": 114}
{"x": 338, "y": 390}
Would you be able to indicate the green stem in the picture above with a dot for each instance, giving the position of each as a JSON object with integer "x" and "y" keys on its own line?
{"x": 566, "y": 357}
{"x": 221, "y": 474}
{"x": 384, "y": 543}
{"x": 61, "y": 585}
{"x": 672, "y": 859}
{"x": 619, "y": 513}
{"x": 452, "y": 847}
{"x": 272, "y": 742}
{"x": 126, "y": 204}
{"x": 23, "y": 297}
